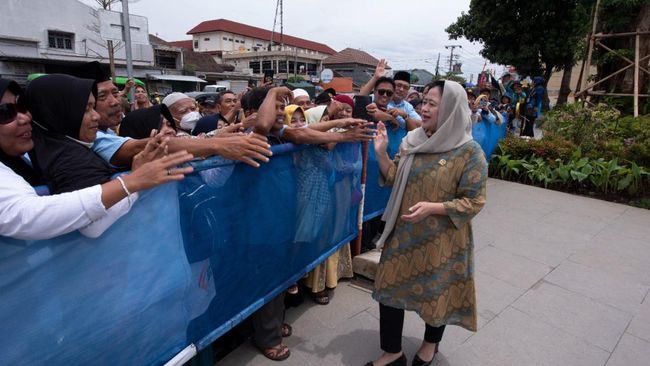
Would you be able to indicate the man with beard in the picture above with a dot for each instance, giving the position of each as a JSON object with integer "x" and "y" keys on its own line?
{"x": 119, "y": 151}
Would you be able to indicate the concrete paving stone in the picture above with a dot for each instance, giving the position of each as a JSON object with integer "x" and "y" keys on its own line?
{"x": 615, "y": 290}
{"x": 515, "y": 338}
{"x": 345, "y": 302}
{"x": 636, "y": 216}
{"x": 640, "y": 325}
{"x": 617, "y": 255}
{"x": 493, "y": 296}
{"x": 513, "y": 269}
{"x": 248, "y": 355}
{"x": 629, "y": 228}
{"x": 482, "y": 238}
{"x": 556, "y": 233}
{"x": 539, "y": 249}
{"x": 631, "y": 351}
{"x": 589, "y": 207}
{"x": 593, "y": 322}
{"x": 354, "y": 342}
{"x": 575, "y": 221}
{"x": 501, "y": 217}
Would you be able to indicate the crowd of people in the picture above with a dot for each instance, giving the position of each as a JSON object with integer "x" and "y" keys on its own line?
{"x": 73, "y": 134}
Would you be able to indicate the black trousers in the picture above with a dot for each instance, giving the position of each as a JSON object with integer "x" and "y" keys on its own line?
{"x": 267, "y": 323}
{"x": 528, "y": 130}
{"x": 391, "y": 323}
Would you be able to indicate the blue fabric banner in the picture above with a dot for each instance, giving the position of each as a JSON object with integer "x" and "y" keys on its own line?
{"x": 489, "y": 134}
{"x": 376, "y": 196}
{"x": 190, "y": 261}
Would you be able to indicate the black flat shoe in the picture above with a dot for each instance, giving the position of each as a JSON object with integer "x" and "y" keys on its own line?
{"x": 399, "y": 362}
{"x": 417, "y": 361}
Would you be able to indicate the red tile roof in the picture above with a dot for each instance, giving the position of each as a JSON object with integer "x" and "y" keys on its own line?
{"x": 226, "y": 25}
{"x": 182, "y": 44}
{"x": 351, "y": 56}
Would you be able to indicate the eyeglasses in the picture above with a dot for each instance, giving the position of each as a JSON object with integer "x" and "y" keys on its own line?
{"x": 386, "y": 92}
{"x": 9, "y": 111}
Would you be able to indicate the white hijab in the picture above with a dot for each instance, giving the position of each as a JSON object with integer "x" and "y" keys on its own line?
{"x": 454, "y": 129}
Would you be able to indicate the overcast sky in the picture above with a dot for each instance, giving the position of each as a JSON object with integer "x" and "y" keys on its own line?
{"x": 408, "y": 33}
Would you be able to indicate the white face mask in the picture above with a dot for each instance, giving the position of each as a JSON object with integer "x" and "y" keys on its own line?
{"x": 189, "y": 120}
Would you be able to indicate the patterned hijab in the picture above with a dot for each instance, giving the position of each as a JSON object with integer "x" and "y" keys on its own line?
{"x": 454, "y": 129}
{"x": 314, "y": 115}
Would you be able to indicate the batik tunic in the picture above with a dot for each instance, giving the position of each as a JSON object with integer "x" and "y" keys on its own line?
{"x": 427, "y": 267}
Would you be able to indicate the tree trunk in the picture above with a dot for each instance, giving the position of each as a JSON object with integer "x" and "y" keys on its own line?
{"x": 546, "y": 105}
{"x": 565, "y": 88}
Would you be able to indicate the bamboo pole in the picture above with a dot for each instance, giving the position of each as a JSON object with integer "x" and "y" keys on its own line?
{"x": 602, "y": 93}
{"x": 364, "y": 169}
{"x": 584, "y": 60}
{"x": 611, "y": 75}
{"x": 615, "y": 35}
{"x": 591, "y": 46}
{"x": 637, "y": 66}
{"x": 623, "y": 57}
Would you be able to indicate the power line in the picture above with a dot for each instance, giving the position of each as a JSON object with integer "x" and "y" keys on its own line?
{"x": 451, "y": 56}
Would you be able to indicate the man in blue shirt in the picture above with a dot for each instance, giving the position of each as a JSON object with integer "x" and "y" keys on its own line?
{"x": 402, "y": 111}
{"x": 119, "y": 151}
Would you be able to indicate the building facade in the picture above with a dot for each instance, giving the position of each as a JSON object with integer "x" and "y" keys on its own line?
{"x": 251, "y": 49}
{"x": 56, "y": 36}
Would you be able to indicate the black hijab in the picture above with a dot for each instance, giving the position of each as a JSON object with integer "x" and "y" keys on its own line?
{"x": 139, "y": 123}
{"x": 17, "y": 163}
{"x": 58, "y": 103}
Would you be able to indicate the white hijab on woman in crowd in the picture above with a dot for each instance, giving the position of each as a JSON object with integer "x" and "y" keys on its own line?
{"x": 454, "y": 129}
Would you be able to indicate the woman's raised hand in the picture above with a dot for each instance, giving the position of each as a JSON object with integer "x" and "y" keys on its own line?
{"x": 381, "y": 139}
{"x": 156, "y": 148}
{"x": 159, "y": 171}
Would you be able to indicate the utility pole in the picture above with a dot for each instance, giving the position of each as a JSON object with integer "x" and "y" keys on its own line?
{"x": 451, "y": 57}
{"x": 126, "y": 35}
{"x": 438, "y": 65}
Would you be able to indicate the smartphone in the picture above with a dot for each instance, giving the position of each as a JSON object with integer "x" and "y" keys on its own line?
{"x": 360, "y": 104}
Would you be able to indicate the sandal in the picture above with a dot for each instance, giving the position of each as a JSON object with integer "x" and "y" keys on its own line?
{"x": 321, "y": 298}
{"x": 277, "y": 353}
{"x": 287, "y": 331}
{"x": 293, "y": 289}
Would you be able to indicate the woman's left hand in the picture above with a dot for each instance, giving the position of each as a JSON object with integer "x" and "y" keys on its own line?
{"x": 421, "y": 210}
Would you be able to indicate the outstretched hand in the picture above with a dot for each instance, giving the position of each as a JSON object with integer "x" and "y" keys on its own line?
{"x": 159, "y": 171}
{"x": 156, "y": 148}
{"x": 245, "y": 148}
{"x": 380, "y": 70}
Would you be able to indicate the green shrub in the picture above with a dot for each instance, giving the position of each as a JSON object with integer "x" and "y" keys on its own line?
{"x": 548, "y": 148}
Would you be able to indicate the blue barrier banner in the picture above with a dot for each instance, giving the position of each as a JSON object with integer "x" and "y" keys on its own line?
{"x": 190, "y": 261}
{"x": 488, "y": 135}
{"x": 118, "y": 299}
{"x": 377, "y": 197}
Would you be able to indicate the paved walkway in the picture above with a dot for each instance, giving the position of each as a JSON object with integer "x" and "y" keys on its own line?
{"x": 561, "y": 280}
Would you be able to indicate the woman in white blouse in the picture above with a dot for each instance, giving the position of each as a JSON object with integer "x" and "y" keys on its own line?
{"x": 25, "y": 215}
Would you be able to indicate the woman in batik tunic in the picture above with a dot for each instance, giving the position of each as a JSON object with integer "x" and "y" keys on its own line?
{"x": 426, "y": 265}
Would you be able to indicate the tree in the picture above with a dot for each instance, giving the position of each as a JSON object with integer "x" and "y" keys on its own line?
{"x": 450, "y": 76}
{"x": 536, "y": 37}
